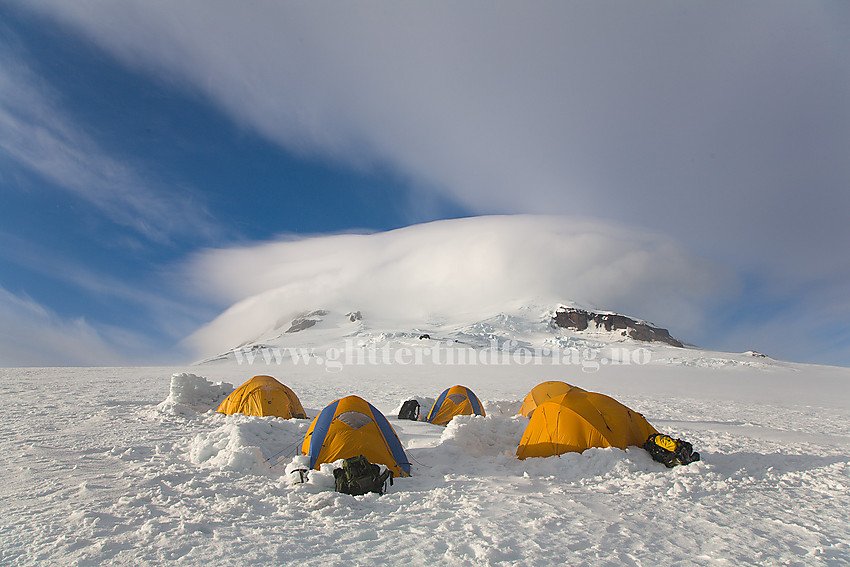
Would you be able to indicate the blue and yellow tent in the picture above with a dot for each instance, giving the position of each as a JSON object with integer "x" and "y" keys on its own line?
{"x": 352, "y": 426}
{"x": 457, "y": 400}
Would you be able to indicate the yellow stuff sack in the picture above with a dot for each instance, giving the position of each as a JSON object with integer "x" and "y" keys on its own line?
{"x": 669, "y": 451}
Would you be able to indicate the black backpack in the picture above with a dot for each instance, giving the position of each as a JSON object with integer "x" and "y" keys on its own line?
{"x": 358, "y": 476}
{"x": 670, "y": 451}
{"x": 409, "y": 410}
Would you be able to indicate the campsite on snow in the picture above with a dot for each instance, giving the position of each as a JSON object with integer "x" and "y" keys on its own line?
{"x": 426, "y": 284}
{"x": 135, "y": 465}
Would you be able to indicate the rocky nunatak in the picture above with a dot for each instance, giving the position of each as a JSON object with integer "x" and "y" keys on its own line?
{"x": 579, "y": 319}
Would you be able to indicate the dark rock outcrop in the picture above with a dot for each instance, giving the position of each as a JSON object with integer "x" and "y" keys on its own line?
{"x": 306, "y": 321}
{"x": 579, "y": 319}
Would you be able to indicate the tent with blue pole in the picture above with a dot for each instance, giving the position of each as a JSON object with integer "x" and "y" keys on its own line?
{"x": 457, "y": 400}
{"x": 349, "y": 427}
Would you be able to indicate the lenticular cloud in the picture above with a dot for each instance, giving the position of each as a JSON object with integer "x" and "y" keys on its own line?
{"x": 452, "y": 269}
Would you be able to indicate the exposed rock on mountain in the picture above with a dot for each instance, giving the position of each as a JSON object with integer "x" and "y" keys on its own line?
{"x": 306, "y": 321}
{"x": 579, "y": 319}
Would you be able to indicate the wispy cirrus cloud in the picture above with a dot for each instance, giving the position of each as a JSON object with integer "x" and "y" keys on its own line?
{"x": 38, "y": 134}
{"x": 171, "y": 311}
{"x": 33, "y": 335}
{"x": 664, "y": 116}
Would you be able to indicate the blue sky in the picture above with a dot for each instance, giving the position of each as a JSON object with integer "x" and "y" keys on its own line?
{"x": 134, "y": 136}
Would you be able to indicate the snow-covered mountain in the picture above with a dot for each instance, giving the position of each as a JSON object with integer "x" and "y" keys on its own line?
{"x": 533, "y": 329}
{"x": 447, "y": 275}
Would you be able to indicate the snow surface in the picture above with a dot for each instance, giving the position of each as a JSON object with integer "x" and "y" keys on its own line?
{"x": 131, "y": 466}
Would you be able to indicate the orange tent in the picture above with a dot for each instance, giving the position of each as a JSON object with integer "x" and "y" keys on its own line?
{"x": 578, "y": 420}
{"x": 543, "y": 392}
{"x": 263, "y": 396}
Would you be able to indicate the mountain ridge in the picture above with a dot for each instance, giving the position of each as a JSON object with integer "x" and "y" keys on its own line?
{"x": 526, "y": 327}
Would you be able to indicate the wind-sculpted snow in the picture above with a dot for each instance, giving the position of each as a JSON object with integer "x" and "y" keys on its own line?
{"x": 190, "y": 392}
{"x": 247, "y": 443}
{"x": 103, "y": 472}
{"x": 488, "y": 436}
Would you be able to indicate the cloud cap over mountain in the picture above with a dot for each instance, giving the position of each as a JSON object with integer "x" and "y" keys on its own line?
{"x": 459, "y": 269}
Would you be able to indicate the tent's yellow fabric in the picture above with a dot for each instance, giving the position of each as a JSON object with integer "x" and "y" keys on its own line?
{"x": 263, "y": 396}
{"x": 349, "y": 427}
{"x": 457, "y": 400}
{"x": 578, "y": 420}
{"x": 543, "y": 392}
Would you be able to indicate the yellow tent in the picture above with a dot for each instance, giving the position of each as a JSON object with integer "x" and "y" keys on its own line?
{"x": 457, "y": 400}
{"x": 543, "y": 392}
{"x": 578, "y": 420}
{"x": 263, "y": 396}
{"x": 350, "y": 427}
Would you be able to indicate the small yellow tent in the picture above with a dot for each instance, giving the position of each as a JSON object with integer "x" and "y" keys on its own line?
{"x": 349, "y": 427}
{"x": 457, "y": 400}
{"x": 578, "y": 420}
{"x": 263, "y": 396}
{"x": 543, "y": 392}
